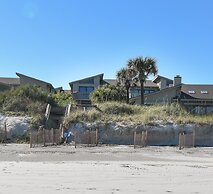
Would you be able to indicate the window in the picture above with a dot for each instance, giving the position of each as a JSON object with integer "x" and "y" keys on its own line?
{"x": 135, "y": 92}
{"x": 204, "y": 92}
{"x": 86, "y": 89}
{"x": 146, "y": 91}
{"x": 191, "y": 92}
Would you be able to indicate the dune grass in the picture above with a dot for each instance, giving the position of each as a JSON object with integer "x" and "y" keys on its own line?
{"x": 121, "y": 112}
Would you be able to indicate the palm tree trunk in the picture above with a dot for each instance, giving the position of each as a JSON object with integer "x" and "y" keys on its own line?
{"x": 142, "y": 92}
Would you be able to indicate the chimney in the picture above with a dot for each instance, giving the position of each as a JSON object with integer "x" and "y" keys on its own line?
{"x": 177, "y": 80}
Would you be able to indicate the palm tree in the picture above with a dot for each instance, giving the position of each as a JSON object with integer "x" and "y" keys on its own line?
{"x": 142, "y": 67}
{"x": 124, "y": 77}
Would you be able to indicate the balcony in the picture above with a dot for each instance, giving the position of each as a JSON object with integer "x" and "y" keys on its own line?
{"x": 81, "y": 96}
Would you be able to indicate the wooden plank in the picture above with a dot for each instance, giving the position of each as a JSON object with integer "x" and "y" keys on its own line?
{"x": 44, "y": 138}
{"x": 31, "y": 139}
{"x": 52, "y": 135}
{"x": 180, "y": 136}
{"x": 5, "y": 131}
{"x": 135, "y": 134}
{"x": 96, "y": 137}
{"x": 193, "y": 141}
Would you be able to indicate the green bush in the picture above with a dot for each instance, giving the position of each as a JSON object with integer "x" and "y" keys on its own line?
{"x": 108, "y": 93}
{"x": 62, "y": 99}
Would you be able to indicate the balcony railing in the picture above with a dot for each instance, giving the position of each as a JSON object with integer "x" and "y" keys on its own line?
{"x": 81, "y": 96}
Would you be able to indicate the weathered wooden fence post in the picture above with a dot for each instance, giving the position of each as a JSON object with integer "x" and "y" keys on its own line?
{"x": 96, "y": 137}
{"x": 31, "y": 139}
{"x": 142, "y": 138}
{"x": 146, "y": 138}
{"x": 5, "y": 131}
{"x": 193, "y": 138}
{"x": 44, "y": 138}
{"x": 75, "y": 138}
{"x": 184, "y": 140}
{"x": 52, "y": 135}
{"x": 47, "y": 113}
{"x": 180, "y": 141}
{"x": 68, "y": 110}
{"x": 89, "y": 137}
{"x": 135, "y": 134}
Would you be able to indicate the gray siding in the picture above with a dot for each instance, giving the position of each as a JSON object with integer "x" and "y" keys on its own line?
{"x": 161, "y": 97}
{"x": 25, "y": 80}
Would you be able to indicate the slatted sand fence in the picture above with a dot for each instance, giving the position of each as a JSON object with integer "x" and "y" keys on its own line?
{"x": 186, "y": 140}
{"x": 45, "y": 137}
{"x": 140, "y": 139}
{"x": 87, "y": 138}
{"x": 3, "y": 132}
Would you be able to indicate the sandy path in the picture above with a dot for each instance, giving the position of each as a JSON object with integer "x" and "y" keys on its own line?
{"x": 102, "y": 170}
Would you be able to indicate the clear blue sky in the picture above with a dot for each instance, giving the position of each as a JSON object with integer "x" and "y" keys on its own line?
{"x": 63, "y": 40}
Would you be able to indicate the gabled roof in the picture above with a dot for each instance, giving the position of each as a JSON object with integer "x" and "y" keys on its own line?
{"x": 198, "y": 91}
{"x": 22, "y": 75}
{"x": 158, "y": 77}
{"x": 99, "y": 75}
{"x": 10, "y": 81}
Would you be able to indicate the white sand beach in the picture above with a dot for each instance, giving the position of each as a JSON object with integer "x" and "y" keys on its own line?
{"x": 105, "y": 169}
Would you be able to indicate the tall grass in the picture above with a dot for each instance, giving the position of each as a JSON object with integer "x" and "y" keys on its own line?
{"x": 121, "y": 112}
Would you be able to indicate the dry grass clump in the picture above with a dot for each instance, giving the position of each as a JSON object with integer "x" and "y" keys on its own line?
{"x": 199, "y": 119}
{"x": 83, "y": 116}
{"x": 117, "y": 108}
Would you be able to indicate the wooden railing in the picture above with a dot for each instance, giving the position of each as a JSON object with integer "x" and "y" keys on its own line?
{"x": 81, "y": 96}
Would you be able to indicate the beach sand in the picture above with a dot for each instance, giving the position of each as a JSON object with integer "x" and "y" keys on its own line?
{"x": 105, "y": 169}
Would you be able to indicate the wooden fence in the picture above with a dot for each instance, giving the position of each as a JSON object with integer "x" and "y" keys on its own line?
{"x": 140, "y": 139}
{"x": 44, "y": 137}
{"x": 186, "y": 140}
{"x": 89, "y": 138}
{"x": 3, "y": 132}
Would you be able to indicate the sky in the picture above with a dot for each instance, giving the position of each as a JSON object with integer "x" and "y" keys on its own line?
{"x": 60, "y": 41}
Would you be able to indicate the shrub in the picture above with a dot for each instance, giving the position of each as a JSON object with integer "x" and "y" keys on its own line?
{"x": 108, "y": 93}
{"x": 62, "y": 99}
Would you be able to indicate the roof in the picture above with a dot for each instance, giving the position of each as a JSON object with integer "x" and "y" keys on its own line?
{"x": 158, "y": 77}
{"x": 111, "y": 81}
{"x": 22, "y": 75}
{"x": 147, "y": 84}
{"x": 198, "y": 91}
{"x": 10, "y": 81}
{"x": 99, "y": 75}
